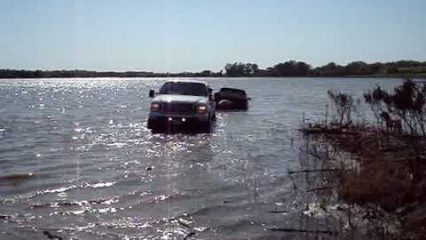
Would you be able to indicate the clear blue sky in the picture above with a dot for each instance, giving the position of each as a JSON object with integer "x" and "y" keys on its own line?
{"x": 193, "y": 35}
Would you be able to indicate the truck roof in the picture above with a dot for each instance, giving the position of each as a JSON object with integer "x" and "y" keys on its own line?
{"x": 187, "y": 81}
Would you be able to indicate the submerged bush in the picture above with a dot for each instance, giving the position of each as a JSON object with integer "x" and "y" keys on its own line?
{"x": 343, "y": 106}
{"x": 407, "y": 103}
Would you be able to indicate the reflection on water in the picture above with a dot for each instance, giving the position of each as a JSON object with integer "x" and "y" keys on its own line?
{"x": 77, "y": 161}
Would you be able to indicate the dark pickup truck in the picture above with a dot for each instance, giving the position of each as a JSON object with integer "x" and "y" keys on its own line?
{"x": 231, "y": 99}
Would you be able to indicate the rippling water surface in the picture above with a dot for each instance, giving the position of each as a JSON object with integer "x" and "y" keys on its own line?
{"x": 77, "y": 161}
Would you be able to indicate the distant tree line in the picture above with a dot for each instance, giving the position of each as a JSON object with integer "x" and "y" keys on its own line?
{"x": 10, "y": 73}
{"x": 302, "y": 69}
{"x": 238, "y": 69}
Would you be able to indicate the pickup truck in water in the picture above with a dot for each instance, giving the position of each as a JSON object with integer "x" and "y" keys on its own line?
{"x": 182, "y": 104}
{"x": 231, "y": 99}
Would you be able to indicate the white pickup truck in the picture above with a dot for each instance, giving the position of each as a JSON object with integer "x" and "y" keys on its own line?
{"x": 182, "y": 104}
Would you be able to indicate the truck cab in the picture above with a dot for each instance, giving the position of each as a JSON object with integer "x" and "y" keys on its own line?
{"x": 182, "y": 104}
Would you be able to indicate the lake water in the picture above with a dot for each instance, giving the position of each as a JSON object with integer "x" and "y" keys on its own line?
{"x": 77, "y": 161}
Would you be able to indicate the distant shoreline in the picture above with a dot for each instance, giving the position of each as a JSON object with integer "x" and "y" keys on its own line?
{"x": 357, "y": 69}
{"x": 222, "y": 77}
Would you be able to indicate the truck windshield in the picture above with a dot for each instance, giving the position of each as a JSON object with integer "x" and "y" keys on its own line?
{"x": 183, "y": 88}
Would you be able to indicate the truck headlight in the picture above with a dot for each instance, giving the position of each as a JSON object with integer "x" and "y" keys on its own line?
{"x": 201, "y": 109}
{"x": 155, "y": 107}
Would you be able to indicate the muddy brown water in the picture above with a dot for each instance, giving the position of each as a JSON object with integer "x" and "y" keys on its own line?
{"x": 77, "y": 161}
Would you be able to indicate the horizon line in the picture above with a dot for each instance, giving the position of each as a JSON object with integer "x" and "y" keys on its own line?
{"x": 206, "y": 69}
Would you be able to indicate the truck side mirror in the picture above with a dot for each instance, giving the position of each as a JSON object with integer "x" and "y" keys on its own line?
{"x": 151, "y": 93}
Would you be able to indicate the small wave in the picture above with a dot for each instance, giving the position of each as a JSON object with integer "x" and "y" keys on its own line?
{"x": 86, "y": 210}
{"x": 82, "y": 203}
{"x": 99, "y": 185}
{"x": 59, "y": 190}
{"x": 117, "y": 144}
{"x": 87, "y": 185}
{"x": 159, "y": 198}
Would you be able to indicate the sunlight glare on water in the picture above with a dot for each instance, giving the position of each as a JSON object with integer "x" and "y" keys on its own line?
{"x": 86, "y": 166}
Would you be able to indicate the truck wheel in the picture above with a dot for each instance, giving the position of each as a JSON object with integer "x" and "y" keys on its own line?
{"x": 154, "y": 126}
{"x": 205, "y": 127}
{"x": 150, "y": 124}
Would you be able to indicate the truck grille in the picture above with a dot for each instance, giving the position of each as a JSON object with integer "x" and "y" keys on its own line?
{"x": 177, "y": 107}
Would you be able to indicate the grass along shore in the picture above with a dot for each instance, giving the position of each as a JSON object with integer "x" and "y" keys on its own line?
{"x": 390, "y": 156}
{"x": 390, "y": 172}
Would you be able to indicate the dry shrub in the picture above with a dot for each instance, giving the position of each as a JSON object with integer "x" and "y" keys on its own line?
{"x": 391, "y": 174}
{"x": 377, "y": 183}
{"x": 343, "y": 107}
{"x": 407, "y": 102}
